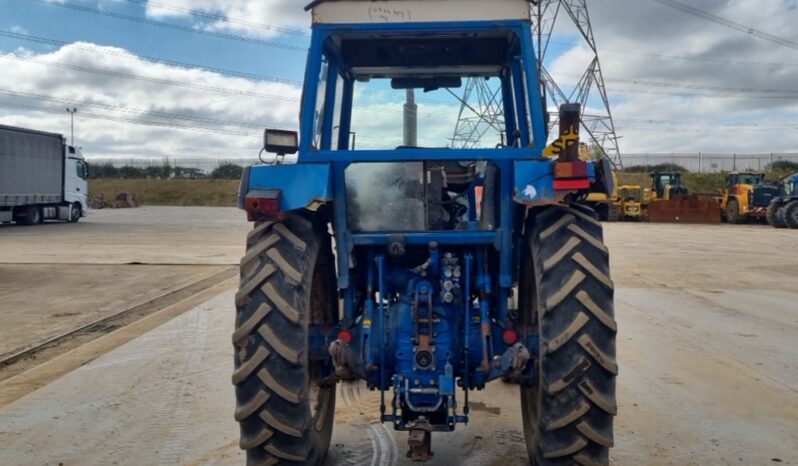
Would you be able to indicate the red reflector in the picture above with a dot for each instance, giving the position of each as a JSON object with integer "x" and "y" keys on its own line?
{"x": 264, "y": 206}
{"x": 571, "y": 185}
{"x": 510, "y": 337}
{"x": 345, "y": 336}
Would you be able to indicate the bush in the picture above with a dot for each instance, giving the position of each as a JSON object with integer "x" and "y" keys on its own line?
{"x": 103, "y": 171}
{"x": 227, "y": 171}
{"x": 189, "y": 173}
{"x": 131, "y": 172}
{"x": 661, "y": 167}
{"x": 783, "y": 166}
{"x": 158, "y": 171}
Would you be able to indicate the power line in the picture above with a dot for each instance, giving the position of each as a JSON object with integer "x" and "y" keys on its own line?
{"x": 105, "y": 51}
{"x": 129, "y": 110}
{"x": 226, "y": 19}
{"x": 170, "y": 82}
{"x": 700, "y": 87}
{"x": 173, "y": 26}
{"x": 728, "y": 23}
{"x": 223, "y": 71}
{"x": 682, "y": 57}
{"x": 624, "y": 90}
{"x": 128, "y": 120}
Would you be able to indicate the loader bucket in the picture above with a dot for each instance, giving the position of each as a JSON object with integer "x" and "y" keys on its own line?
{"x": 685, "y": 209}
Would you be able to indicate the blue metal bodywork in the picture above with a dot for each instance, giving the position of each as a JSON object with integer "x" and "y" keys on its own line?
{"x": 416, "y": 329}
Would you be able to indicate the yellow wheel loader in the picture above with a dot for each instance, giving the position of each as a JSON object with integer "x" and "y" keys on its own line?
{"x": 746, "y": 197}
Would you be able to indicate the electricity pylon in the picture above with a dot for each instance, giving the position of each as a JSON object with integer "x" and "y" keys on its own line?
{"x": 590, "y": 91}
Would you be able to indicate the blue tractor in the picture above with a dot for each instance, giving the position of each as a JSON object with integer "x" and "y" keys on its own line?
{"x": 425, "y": 271}
{"x": 783, "y": 209}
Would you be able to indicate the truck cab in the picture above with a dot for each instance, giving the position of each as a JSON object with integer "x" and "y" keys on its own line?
{"x": 76, "y": 187}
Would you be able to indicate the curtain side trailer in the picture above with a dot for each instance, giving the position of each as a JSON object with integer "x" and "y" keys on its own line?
{"x": 41, "y": 177}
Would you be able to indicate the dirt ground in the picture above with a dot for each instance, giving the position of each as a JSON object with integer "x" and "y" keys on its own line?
{"x": 706, "y": 346}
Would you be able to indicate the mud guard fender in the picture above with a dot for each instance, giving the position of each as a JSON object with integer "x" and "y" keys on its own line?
{"x": 301, "y": 186}
{"x": 534, "y": 181}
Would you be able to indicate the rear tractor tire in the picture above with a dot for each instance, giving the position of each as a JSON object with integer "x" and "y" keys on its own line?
{"x": 790, "y": 215}
{"x": 775, "y": 215}
{"x": 287, "y": 284}
{"x": 566, "y": 294}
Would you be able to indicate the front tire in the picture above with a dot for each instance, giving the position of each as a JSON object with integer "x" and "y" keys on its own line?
{"x": 566, "y": 295}
{"x": 287, "y": 284}
{"x": 791, "y": 214}
{"x": 75, "y": 212}
{"x": 733, "y": 212}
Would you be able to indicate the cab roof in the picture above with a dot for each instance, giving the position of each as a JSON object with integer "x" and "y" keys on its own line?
{"x": 417, "y": 11}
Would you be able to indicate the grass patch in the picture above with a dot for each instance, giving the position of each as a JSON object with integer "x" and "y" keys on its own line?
{"x": 170, "y": 192}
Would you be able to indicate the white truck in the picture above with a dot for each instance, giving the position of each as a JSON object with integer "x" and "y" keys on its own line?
{"x": 41, "y": 177}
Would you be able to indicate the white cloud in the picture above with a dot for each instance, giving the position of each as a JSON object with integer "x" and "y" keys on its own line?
{"x": 143, "y": 100}
{"x": 635, "y": 38}
{"x": 260, "y": 18}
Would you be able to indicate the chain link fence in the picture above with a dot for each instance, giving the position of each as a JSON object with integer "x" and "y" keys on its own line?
{"x": 200, "y": 168}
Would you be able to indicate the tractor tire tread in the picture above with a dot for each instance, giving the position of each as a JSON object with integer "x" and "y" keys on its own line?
{"x": 774, "y": 217}
{"x": 575, "y": 392}
{"x": 270, "y": 345}
{"x": 791, "y": 214}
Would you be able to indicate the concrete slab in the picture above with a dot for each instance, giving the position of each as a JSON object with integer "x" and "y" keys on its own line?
{"x": 165, "y": 398}
{"x": 147, "y": 235}
{"x": 706, "y": 349}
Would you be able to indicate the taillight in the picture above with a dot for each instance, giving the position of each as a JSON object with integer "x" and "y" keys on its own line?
{"x": 264, "y": 206}
{"x": 345, "y": 336}
{"x": 509, "y": 336}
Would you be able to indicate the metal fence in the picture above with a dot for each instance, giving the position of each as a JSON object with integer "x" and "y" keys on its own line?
{"x": 206, "y": 166}
{"x": 706, "y": 163}
{"x": 709, "y": 163}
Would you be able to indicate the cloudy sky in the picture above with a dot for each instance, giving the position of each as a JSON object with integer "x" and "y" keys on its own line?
{"x": 201, "y": 78}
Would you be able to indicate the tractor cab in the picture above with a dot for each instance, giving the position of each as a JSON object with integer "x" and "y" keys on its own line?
{"x": 789, "y": 186}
